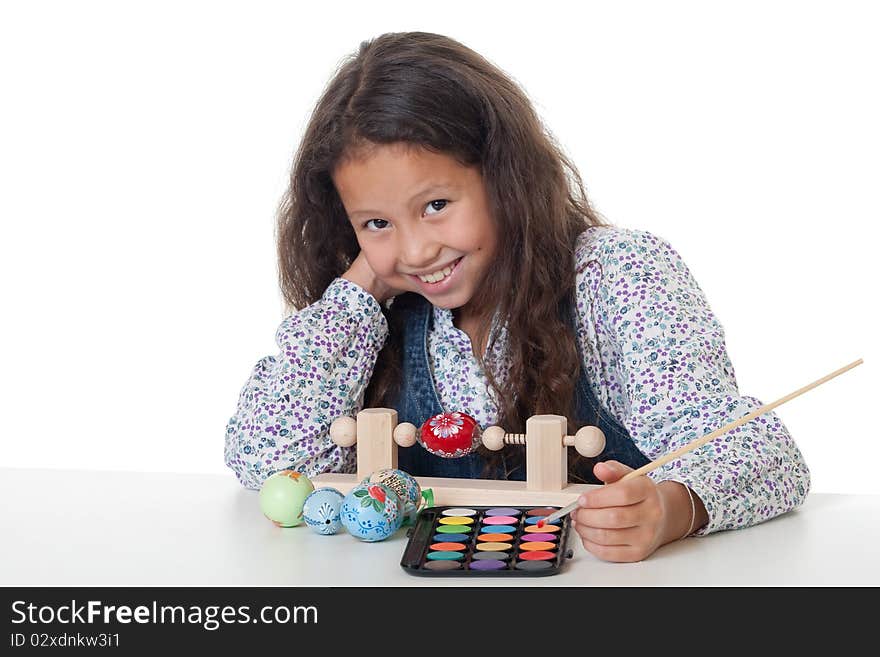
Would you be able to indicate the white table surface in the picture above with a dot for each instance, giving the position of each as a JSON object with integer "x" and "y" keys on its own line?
{"x": 99, "y": 528}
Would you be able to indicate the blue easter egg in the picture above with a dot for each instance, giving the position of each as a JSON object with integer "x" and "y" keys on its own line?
{"x": 321, "y": 510}
{"x": 372, "y": 512}
{"x": 402, "y": 483}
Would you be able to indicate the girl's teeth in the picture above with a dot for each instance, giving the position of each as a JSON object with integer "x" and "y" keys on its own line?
{"x": 437, "y": 276}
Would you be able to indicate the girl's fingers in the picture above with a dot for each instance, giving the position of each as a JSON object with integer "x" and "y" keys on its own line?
{"x": 610, "y": 471}
{"x": 617, "y": 517}
{"x": 623, "y": 493}
{"x": 611, "y": 537}
{"x": 617, "y": 553}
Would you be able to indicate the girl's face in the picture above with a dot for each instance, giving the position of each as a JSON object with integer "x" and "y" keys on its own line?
{"x": 419, "y": 214}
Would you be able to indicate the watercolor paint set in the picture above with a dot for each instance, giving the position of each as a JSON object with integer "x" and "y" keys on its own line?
{"x": 486, "y": 542}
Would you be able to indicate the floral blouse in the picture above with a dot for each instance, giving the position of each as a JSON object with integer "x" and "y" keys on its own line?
{"x": 654, "y": 353}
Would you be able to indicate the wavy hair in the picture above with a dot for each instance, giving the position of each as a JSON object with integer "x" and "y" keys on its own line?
{"x": 429, "y": 91}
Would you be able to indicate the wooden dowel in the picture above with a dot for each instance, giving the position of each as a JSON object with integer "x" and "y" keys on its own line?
{"x": 699, "y": 442}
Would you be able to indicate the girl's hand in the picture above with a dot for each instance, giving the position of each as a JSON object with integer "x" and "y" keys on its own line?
{"x": 629, "y": 520}
{"x": 361, "y": 273}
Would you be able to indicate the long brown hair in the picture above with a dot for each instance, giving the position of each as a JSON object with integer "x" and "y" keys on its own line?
{"x": 430, "y": 91}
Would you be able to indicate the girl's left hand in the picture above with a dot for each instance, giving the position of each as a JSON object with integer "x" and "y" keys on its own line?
{"x": 623, "y": 520}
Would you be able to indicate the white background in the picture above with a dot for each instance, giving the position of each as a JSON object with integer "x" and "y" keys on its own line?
{"x": 144, "y": 147}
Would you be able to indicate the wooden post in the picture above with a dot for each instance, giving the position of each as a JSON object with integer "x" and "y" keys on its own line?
{"x": 546, "y": 456}
{"x": 376, "y": 448}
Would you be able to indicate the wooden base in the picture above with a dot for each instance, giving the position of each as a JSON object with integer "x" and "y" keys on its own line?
{"x": 480, "y": 492}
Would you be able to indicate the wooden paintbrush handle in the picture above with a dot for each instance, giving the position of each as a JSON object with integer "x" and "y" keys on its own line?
{"x": 699, "y": 442}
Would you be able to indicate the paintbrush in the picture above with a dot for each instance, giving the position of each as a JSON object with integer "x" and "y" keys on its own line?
{"x": 699, "y": 442}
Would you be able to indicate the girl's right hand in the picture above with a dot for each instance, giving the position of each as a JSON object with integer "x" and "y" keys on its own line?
{"x": 361, "y": 273}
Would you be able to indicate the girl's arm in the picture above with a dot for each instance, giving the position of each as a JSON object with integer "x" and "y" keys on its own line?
{"x": 327, "y": 354}
{"x": 661, "y": 354}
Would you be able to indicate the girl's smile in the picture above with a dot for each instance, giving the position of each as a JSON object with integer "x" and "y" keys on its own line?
{"x": 440, "y": 281}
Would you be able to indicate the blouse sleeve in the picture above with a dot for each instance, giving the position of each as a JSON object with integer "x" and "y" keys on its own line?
{"x": 327, "y": 352}
{"x": 660, "y": 355}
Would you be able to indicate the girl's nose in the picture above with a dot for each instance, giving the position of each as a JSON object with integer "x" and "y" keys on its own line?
{"x": 418, "y": 254}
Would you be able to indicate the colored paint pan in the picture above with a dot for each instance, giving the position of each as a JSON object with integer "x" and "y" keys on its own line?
{"x": 440, "y": 556}
{"x": 454, "y": 547}
{"x": 529, "y": 547}
{"x": 440, "y": 538}
{"x": 488, "y": 564}
{"x": 479, "y": 556}
{"x": 539, "y": 555}
{"x": 443, "y": 565}
{"x": 494, "y": 546}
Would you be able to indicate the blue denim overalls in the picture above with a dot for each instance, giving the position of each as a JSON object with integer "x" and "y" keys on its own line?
{"x": 417, "y": 401}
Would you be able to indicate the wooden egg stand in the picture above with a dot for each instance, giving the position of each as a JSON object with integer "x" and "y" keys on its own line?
{"x": 377, "y": 435}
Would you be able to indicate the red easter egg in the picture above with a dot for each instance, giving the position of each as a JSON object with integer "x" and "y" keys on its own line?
{"x": 449, "y": 435}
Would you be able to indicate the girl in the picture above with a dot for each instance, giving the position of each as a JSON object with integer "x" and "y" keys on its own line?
{"x": 438, "y": 253}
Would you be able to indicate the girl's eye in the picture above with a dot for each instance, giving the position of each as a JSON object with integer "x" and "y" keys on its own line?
{"x": 441, "y": 201}
{"x": 367, "y": 224}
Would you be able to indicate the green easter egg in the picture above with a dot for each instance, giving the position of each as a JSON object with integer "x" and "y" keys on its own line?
{"x": 283, "y": 495}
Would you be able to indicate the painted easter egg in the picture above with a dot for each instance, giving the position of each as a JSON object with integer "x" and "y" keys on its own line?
{"x": 372, "y": 512}
{"x": 449, "y": 435}
{"x": 321, "y": 510}
{"x": 282, "y": 496}
{"x": 402, "y": 483}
